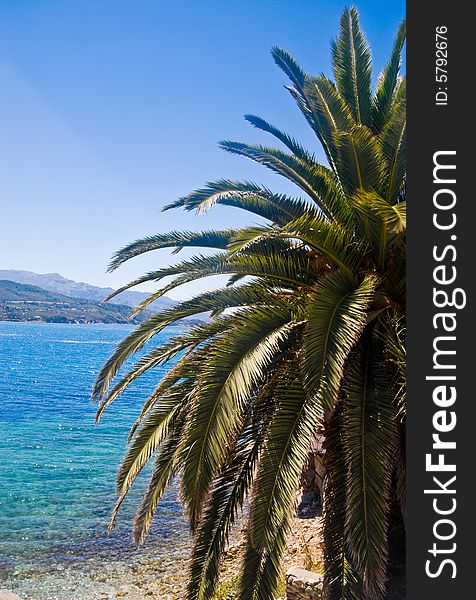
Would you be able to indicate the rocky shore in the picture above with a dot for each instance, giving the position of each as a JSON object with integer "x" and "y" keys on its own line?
{"x": 161, "y": 578}
{"x": 8, "y": 596}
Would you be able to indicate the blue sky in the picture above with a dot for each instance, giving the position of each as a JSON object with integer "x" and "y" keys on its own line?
{"x": 110, "y": 109}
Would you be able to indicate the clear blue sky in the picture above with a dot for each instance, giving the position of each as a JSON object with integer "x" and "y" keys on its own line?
{"x": 110, "y": 109}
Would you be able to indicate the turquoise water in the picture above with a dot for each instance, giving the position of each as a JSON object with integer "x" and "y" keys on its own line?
{"x": 57, "y": 470}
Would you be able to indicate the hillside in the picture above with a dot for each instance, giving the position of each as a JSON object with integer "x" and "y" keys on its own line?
{"x": 19, "y": 302}
{"x": 54, "y": 282}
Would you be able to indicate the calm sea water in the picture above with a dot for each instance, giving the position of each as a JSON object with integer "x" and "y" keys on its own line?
{"x": 57, "y": 471}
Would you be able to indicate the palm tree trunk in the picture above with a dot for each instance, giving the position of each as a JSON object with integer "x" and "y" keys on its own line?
{"x": 312, "y": 495}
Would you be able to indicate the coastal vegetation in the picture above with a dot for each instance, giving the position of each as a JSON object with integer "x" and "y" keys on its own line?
{"x": 51, "y": 298}
{"x": 56, "y": 283}
{"x": 306, "y": 340}
{"x": 19, "y": 302}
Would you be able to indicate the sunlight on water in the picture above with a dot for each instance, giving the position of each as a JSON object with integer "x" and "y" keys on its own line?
{"x": 57, "y": 470}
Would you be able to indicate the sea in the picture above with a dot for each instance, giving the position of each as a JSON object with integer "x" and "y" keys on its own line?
{"x": 57, "y": 474}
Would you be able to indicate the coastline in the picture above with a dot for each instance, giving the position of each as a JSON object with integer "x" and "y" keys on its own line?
{"x": 48, "y": 555}
{"x": 159, "y": 574}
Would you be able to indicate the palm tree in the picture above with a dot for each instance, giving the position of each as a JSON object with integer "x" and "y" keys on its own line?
{"x": 313, "y": 343}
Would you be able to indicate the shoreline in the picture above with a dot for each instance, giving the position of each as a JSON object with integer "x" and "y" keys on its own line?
{"x": 147, "y": 576}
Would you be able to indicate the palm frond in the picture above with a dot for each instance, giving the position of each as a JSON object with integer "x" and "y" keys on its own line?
{"x": 165, "y": 467}
{"x": 135, "y": 341}
{"x": 147, "y": 441}
{"x": 301, "y": 173}
{"x": 250, "y": 571}
{"x": 335, "y": 564}
{"x": 277, "y": 208}
{"x": 369, "y": 441}
{"x": 162, "y": 354}
{"x": 393, "y": 338}
{"x": 387, "y": 83}
{"x": 336, "y": 320}
{"x": 393, "y": 144}
{"x": 400, "y": 90}
{"x": 329, "y": 110}
{"x": 317, "y": 114}
{"x": 152, "y": 359}
{"x": 227, "y": 497}
{"x": 360, "y": 161}
{"x": 271, "y": 569}
{"x": 332, "y": 112}
{"x": 352, "y": 62}
{"x": 314, "y": 179}
{"x": 174, "y": 239}
{"x": 294, "y": 270}
{"x": 289, "y": 66}
{"x": 380, "y": 224}
{"x": 288, "y": 141}
{"x": 335, "y": 244}
{"x": 291, "y": 432}
{"x": 401, "y": 470}
{"x": 236, "y": 366}
{"x": 186, "y": 369}
{"x": 261, "y": 240}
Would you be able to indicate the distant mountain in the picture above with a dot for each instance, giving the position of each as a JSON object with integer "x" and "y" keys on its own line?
{"x": 54, "y": 282}
{"x": 19, "y": 302}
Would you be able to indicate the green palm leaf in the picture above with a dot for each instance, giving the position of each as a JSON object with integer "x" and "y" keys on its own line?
{"x": 165, "y": 467}
{"x": 393, "y": 144}
{"x": 227, "y": 498}
{"x": 271, "y": 569}
{"x": 369, "y": 442}
{"x": 381, "y": 224}
{"x": 393, "y": 338}
{"x": 334, "y": 508}
{"x": 238, "y": 363}
{"x": 336, "y": 320}
{"x": 352, "y": 62}
{"x": 289, "y": 66}
{"x": 321, "y": 111}
{"x": 291, "y": 432}
{"x": 332, "y": 243}
{"x": 162, "y": 354}
{"x": 308, "y": 336}
{"x": 174, "y": 239}
{"x": 147, "y": 441}
{"x": 288, "y": 141}
{"x": 330, "y": 111}
{"x": 134, "y": 342}
{"x": 341, "y": 580}
{"x": 228, "y": 495}
{"x": 360, "y": 160}
{"x": 277, "y": 208}
{"x": 387, "y": 83}
{"x": 303, "y": 174}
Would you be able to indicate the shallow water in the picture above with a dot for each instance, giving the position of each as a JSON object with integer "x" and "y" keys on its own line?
{"x": 57, "y": 472}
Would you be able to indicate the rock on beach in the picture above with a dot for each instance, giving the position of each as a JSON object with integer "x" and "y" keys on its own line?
{"x": 4, "y": 595}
